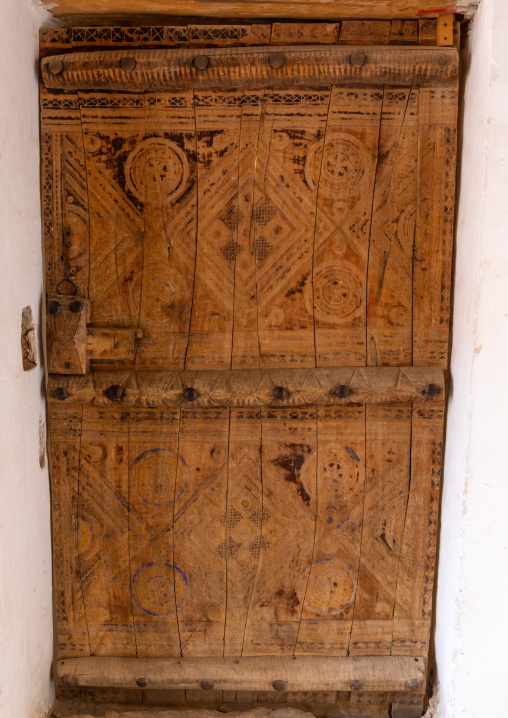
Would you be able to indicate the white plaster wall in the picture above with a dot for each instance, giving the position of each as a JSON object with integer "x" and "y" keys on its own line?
{"x": 26, "y": 634}
{"x": 472, "y": 616}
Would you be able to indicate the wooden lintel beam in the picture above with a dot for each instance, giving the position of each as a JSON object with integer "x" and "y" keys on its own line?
{"x": 302, "y": 673}
{"x": 251, "y": 387}
{"x": 272, "y": 66}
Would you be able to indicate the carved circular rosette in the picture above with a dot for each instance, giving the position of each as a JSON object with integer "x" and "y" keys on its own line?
{"x": 157, "y": 167}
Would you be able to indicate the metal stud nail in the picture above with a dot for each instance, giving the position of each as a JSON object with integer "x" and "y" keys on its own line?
{"x": 276, "y": 60}
{"x": 432, "y": 390}
{"x": 60, "y": 393}
{"x": 280, "y": 685}
{"x": 413, "y": 684}
{"x": 342, "y": 391}
{"x": 201, "y": 62}
{"x": 115, "y": 392}
{"x": 356, "y": 684}
{"x": 127, "y": 64}
{"x": 358, "y": 58}
{"x": 76, "y": 306}
{"x": 53, "y": 306}
{"x": 55, "y": 66}
{"x": 207, "y": 685}
{"x": 280, "y": 393}
{"x": 142, "y": 682}
{"x": 190, "y": 394}
{"x": 69, "y": 680}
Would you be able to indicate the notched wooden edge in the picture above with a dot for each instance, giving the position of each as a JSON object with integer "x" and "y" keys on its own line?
{"x": 251, "y": 387}
{"x": 302, "y": 673}
{"x": 308, "y": 65}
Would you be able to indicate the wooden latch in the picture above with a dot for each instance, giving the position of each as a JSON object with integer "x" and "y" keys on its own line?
{"x": 73, "y": 342}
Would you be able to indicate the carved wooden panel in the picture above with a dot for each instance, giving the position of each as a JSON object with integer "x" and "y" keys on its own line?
{"x": 246, "y": 459}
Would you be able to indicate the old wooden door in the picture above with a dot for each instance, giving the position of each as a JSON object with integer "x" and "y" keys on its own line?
{"x": 248, "y": 259}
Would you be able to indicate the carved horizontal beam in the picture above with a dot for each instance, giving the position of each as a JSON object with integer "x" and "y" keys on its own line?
{"x": 251, "y": 387}
{"x": 139, "y": 70}
{"x": 303, "y": 673}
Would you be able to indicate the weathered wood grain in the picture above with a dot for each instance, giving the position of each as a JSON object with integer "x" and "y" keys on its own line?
{"x": 250, "y": 69}
{"x": 344, "y": 171}
{"x": 251, "y": 387}
{"x": 437, "y": 154}
{"x": 251, "y": 469}
{"x": 302, "y": 673}
{"x": 301, "y": 9}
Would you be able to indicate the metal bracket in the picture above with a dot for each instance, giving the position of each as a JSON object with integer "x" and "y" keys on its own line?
{"x": 445, "y": 25}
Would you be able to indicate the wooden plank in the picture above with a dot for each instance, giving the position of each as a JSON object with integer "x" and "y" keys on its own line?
{"x": 304, "y": 9}
{"x": 388, "y": 440}
{"x": 306, "y": 673}
{"x": 288, "y": 460}
{"x": 200, "y": 531}
{"x": 162, "y": 170}
{"x": 250, "y": 69}
{"x": 252, "y": 387}
{"x": 415, "y": 580}
{"x": 245, "y": 351}
{"x": 112, "y": 127}
{"x": 344, "y": 172}
{"x": 106, "y": 527}
{"x": 217, "y": 138}
{"x": 332, "y": 581}
{"x": 283, "y": 223}
{"x": 390, "y": 258}
{"x": 244, "y": 522}
{"x": 154, "y": 578}
{"x": 71, "y": 628}
{"x": 65, "y": 210}
{"x": 111, "y": 346}
{"x": 350, "y": 32}
{"x": 437, "y": 154}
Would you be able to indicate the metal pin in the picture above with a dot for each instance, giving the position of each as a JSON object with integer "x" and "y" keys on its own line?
{"x": 357, "y": 58}
{"x": 280, "y": 392}
{"x": 142, "y": 682}
{"x": 432, "y": 390}
{"x": 190, "y": 394}
{"x": 356, "y": 684}
{"x": 60, "y": 393}
{"x": 413, "y": 684}
{"x": 69, "y": 681}
{"x": 76, "y": 306}
{"x": 280, "y": 685}
{"x": 207, "y": 685}
{"x": 127, "y": 64}
{"x": 55, "y": 66}
{"x": 276, "y": 60}
{"x": 201, "y": 62}
{"x": 115, "y": 393}
{"x": 342, "y": 391}
{"x": 53, "y": 306}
